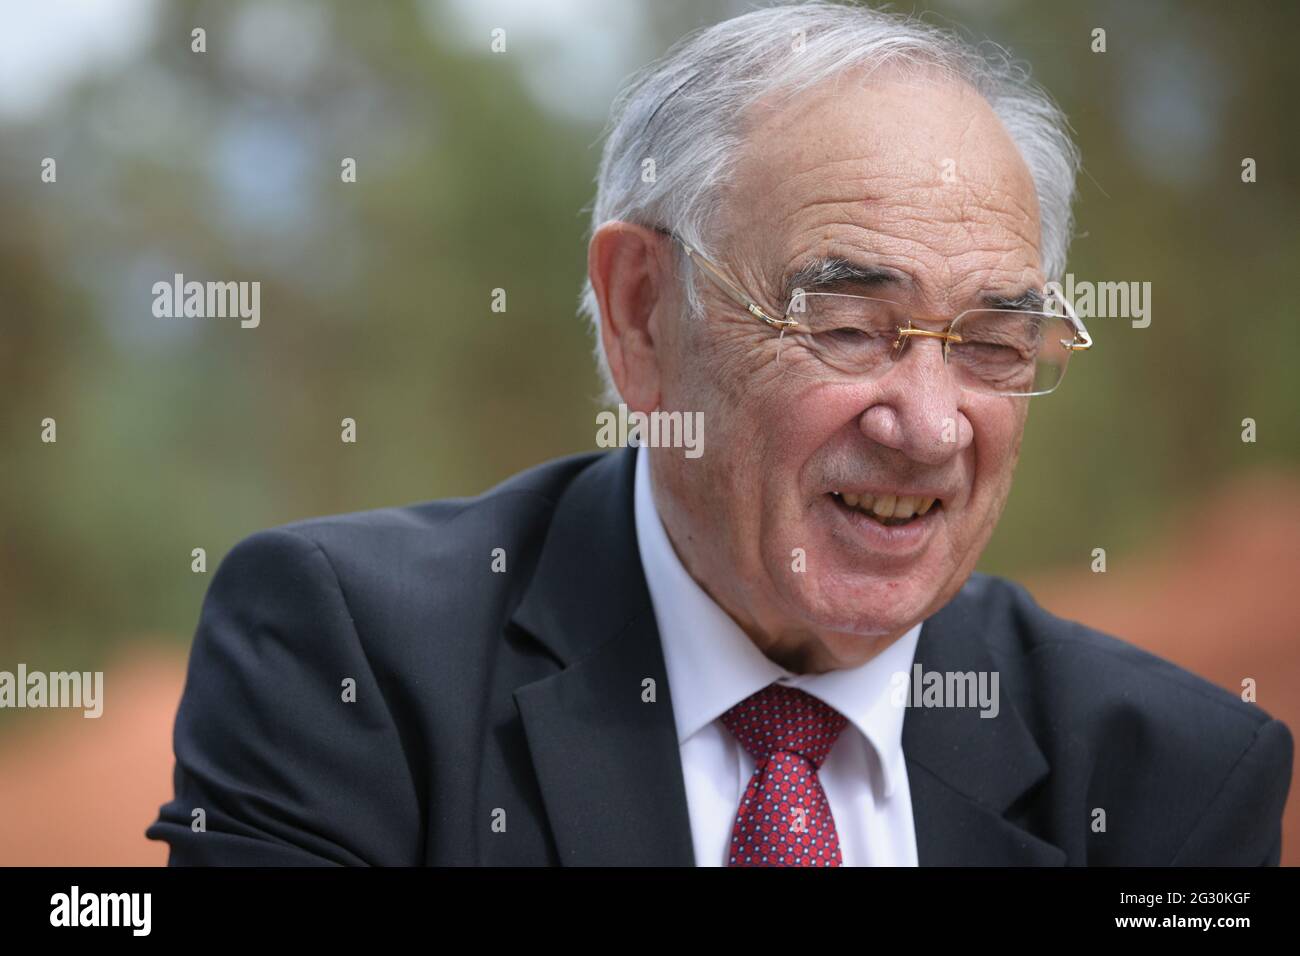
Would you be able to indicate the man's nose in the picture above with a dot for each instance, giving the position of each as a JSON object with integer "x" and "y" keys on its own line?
{"x": 917, "y": 407}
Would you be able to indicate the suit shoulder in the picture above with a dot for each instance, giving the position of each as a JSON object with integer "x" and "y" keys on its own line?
{"x": 1077, "y": 665}
{"x": 419, "y": 558}
{"x": 1187, "y": 771}
{"x": 507, "y": 508}
{"x": 426, "y": 588}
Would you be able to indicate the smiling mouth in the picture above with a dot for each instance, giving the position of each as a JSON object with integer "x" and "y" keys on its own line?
{"x": 889, "y": 510}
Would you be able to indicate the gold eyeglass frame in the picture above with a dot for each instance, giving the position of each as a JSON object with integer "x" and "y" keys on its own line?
{"x": 1081, "y": 342}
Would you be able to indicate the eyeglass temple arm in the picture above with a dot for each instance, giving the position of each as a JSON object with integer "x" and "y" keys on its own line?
{"x": 1082, "y": 340}
{"x": 730, "y": 288}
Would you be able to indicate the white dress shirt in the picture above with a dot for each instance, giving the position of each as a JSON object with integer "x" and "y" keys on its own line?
{"x": 712, "y": 665}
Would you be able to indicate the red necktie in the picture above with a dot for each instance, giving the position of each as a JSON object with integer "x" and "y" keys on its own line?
{"x": 784, "y": 818}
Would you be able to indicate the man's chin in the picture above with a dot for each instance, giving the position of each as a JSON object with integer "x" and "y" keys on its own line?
{"x": 870, "y": 607}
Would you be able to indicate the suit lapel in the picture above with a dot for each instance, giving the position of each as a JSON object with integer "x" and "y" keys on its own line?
{"x": 966, "y": 771}
{"x": 607, "y": 762}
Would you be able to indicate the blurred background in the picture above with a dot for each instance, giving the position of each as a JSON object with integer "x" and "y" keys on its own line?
{"x": 474, "y": 171}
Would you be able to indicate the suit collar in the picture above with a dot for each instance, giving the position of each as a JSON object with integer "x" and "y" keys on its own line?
{"x": 608, "y": 762}
{"x": 966, "y": 772}
{"x": 588, "y": 584}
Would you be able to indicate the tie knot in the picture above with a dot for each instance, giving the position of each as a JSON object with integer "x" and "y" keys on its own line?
{"x": 780, "y": 718}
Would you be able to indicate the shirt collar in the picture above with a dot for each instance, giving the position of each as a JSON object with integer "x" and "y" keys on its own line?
{"x": 713, "y": 665}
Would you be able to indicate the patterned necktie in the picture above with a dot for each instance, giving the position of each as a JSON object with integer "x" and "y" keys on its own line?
{"x": 784, "y": 818}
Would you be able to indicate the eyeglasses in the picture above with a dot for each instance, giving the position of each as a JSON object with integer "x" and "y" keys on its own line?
{"x": 830, "y": 336}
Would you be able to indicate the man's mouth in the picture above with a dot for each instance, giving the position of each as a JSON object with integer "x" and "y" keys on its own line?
{"x": 889, "y": 510}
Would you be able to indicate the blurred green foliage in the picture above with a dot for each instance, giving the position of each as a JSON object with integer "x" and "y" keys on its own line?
{"x": 376, "y": 296}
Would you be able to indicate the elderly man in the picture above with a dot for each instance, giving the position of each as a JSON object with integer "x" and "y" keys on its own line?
{"x": 828, "y": 233}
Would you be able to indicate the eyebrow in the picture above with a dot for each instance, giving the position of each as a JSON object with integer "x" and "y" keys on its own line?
{"x": 835, "y": 271}
{"x": 832, "y": 271}
{"x": 1031, "y": 300}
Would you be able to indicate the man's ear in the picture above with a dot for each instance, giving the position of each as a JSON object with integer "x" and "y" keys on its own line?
{"x": 630, "y": 268}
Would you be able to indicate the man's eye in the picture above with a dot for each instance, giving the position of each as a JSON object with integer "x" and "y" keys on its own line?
{"x": 851, "y": 335}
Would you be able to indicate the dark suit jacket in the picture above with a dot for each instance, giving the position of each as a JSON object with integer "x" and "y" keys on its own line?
{"x": 515, "y": 697}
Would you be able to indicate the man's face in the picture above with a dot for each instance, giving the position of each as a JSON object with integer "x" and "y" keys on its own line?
{"x": 916, "y": 177}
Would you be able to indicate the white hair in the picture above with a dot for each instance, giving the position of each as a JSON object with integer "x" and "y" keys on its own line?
{"x": 711, "y": 77}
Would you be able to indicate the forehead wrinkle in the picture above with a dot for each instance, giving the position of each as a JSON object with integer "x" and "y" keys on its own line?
{"x": 888, "y": 197}
{"x": 880, "y": 205}
{"x": 956, "y": 233}
{"x": 887, "y": 185}
{"x": 846, "y": 190}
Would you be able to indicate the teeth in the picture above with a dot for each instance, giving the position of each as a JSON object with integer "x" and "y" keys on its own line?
{"x": 898, "y": 507}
